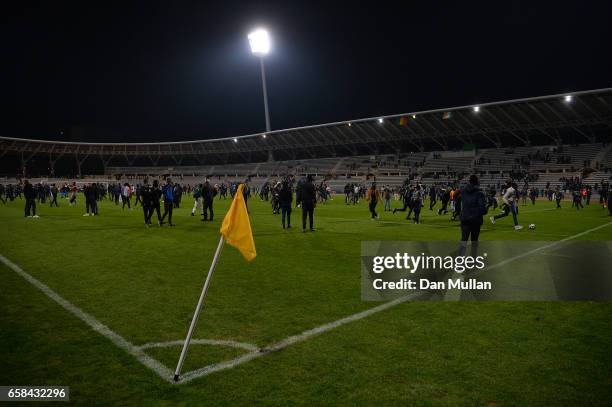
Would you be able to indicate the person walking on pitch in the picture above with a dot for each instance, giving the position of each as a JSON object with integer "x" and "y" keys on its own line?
{"x": 373, "y": 198}
{"x": 168, "y": 194}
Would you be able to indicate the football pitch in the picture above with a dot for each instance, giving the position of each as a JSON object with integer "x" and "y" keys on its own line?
{"x": 101, "y": 304}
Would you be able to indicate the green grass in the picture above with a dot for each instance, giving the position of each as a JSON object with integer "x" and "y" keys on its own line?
{"x": 144, "y": 283}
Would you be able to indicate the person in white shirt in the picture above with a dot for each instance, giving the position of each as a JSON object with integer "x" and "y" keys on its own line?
{"x": 509, "y": 206}
{"x": 126, "y": 195}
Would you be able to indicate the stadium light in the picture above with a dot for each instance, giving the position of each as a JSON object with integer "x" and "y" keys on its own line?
{"x": 477, "y": 109}
{"x": 260, "y": 42}
{"x": 380, "y": 120}
{"x": 260, "y": 46}
{"x": 568, "y": 98}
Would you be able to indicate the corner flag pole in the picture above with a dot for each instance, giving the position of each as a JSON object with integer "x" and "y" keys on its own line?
{"x": 196, "y": 315}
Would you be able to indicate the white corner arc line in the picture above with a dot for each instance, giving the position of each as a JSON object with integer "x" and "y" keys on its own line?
{"x": 292, "y": 340}
{"x": 118, "y": 340}
{"x": 218, "y": 342}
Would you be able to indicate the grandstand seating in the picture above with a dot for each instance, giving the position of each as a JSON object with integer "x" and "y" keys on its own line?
{"x": 543, "y": 165}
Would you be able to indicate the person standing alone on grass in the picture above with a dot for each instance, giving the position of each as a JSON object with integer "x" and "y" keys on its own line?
{"x": 308, "y": 200}
{"x": 94, "y": 195}
{"x": 168, "y": 194}
{"x": 373, "y": 198}
{"x": 208, "y": 196}
{"x": 473, "y": 208}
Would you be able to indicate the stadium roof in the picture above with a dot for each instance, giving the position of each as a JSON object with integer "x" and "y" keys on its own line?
{"x": 583, "y": 116}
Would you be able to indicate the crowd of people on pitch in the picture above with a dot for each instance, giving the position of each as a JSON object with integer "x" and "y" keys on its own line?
{"x": 412, "y": 195}
{"x": 307, "y": 194}
{"x": 469, "y": 203}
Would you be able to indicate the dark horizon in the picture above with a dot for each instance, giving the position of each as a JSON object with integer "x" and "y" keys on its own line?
{"x": 146, "y": 73}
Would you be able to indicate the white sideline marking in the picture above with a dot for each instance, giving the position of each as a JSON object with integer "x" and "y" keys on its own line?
{"x": 167, "y": 374}
{"x": 96, "y": 325}
{"x": 548, "y": 246}
{"x": 233, "y": 344}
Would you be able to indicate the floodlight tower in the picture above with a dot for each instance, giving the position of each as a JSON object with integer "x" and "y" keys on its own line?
{"x": 260, "y": 46}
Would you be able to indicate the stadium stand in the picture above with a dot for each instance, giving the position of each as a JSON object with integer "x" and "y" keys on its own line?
{"x": 543, "y": 140}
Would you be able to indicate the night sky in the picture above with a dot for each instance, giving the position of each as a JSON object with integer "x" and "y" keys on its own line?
{"x": 177, "y": 70}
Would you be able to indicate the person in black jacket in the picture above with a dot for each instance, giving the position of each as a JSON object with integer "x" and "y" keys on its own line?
{"x": 91, "y": 199}
{"x": 156, "y": 194}
{"x": 53, "y": 192}
{"x": 445, "y": 198}
{"x": 208, "y": 196}
{"x": 94, "y": 195}
{"x": 474, "y": 207}
{"x": 308, "y": 200}
{"x": 30, "y": 197}
{"x": 146, "y": 201}
{"x": 285, "y": 198}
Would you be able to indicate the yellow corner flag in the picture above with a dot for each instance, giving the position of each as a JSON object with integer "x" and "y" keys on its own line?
{"x": 236, "y": 227}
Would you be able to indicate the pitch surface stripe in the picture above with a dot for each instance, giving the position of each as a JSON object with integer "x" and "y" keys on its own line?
{"x": 96, "y": 325}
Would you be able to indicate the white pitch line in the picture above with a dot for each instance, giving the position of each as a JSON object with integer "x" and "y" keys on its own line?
{"x": 194, "y": 374}
{"x": 548, "y": 246}
{"x": 165, "y": 373}
{"x": 219, "y": 342}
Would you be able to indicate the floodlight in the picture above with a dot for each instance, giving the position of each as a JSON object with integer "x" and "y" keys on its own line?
{"x": 568, "y": 98}
{"x": 264, "y": 136}
{"x": 477, "y": 109}
{"x": 414, "y": 116}
{"x": 260, "y": 42}
{"x": 350, "y": 124}
{"x": 380, "y": 120}
{"x": 235, "y": 140}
